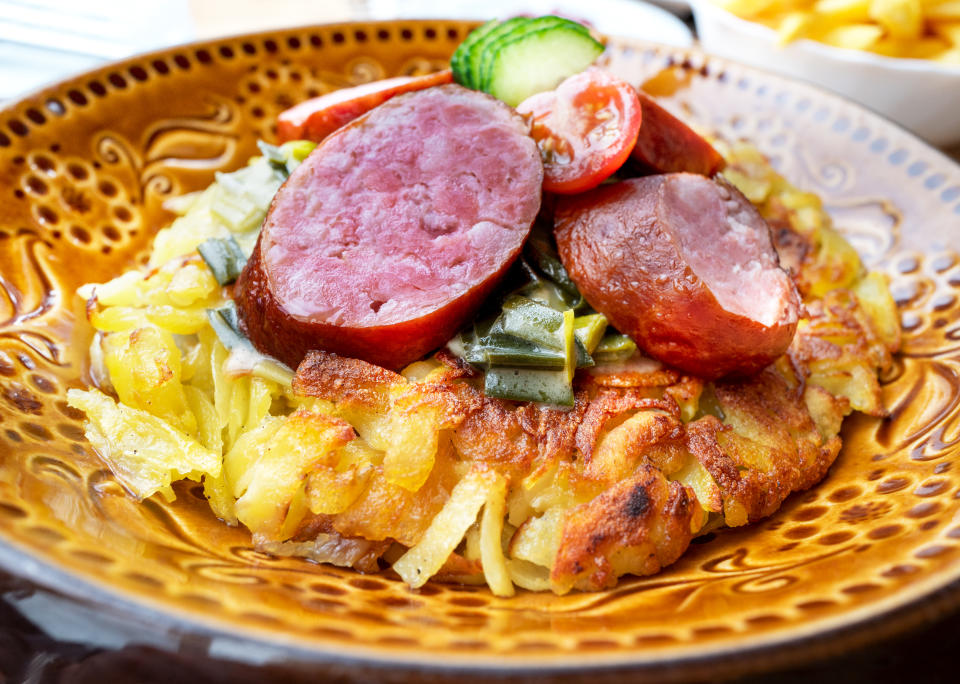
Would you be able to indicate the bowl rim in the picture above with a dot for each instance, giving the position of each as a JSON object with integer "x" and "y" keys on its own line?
{"x": 926, "y": 601}
{"x": 907, "y": 65}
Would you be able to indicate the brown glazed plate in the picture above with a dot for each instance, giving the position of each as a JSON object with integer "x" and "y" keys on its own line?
{"x": 85, "y": 167}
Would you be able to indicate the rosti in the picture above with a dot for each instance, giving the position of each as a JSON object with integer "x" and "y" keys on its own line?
{"x": 353, "y": 464}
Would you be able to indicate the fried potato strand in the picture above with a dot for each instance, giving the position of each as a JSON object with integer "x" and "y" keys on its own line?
{"x": 351, "y": 463}
{"x": 447, "y": 528}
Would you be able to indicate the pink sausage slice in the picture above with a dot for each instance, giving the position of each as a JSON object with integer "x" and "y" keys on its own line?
{"x": 685, "y": 265}
{"x": 386, "y": 240}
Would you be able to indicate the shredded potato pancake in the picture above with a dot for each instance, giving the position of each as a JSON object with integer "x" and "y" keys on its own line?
{"x": 348, "y": 463}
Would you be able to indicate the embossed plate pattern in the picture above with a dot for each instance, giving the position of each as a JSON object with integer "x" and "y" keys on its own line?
{"x": 84, "y": 169}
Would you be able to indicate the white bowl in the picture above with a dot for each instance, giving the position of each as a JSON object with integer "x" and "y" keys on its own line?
{"x": 921, "y": 95}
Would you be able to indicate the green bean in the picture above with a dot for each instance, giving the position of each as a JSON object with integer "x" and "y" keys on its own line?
{"x": 614, "y": 347}
{"x": 524, "y": 384}
{"x": 223, "y": 257}
{"x": 589, "y": 330}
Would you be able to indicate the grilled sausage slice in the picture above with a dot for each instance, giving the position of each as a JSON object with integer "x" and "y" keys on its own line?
{"x": 383, "y": 243}
{"x": 666, "y": 145}
{"x": 684, "y": 265}
{"x": 318, "y": 117}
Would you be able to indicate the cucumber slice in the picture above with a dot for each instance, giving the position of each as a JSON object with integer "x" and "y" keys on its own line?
{"x": 538, "y": 61}
{"x": 495, "y": 42}
{"x": 460, "y": 61}
{"x": 472, "y": 59}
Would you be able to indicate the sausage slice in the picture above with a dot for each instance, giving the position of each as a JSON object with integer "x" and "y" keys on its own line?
{"x": 383, "y": 243}
{"x": 684, "y": 265}
{"x": 318, "y": 117}
{"x": 666, "y": 145}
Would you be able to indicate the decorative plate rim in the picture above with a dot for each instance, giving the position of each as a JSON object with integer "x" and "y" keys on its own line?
{"x": 866, "y": 625}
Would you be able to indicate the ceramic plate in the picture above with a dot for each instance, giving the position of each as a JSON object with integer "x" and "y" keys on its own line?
{"x": 85, "y": 167}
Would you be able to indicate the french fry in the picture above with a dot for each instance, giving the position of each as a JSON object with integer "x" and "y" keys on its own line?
{"x": 900, "y": 18}
{"x": 794, "y": 25}
{"x": 927, "y": 48}
{"x": 951, "y": 56}
{"x": 851, "y": 36}
{"x": 746, "y": 8}
{"x": 843, "y": 11}
{"x": 914, "y": 29}
{"x": 948, "y": 30}
{"x": 949, "y": 10}
{"x": 922, "y": 48}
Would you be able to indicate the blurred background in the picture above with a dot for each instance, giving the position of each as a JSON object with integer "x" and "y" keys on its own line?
{"x": 42, "y": 41}
{"x": 889, "y": 55}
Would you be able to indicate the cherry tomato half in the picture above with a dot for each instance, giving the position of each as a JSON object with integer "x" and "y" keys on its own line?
{"x": 585, "y": 129}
